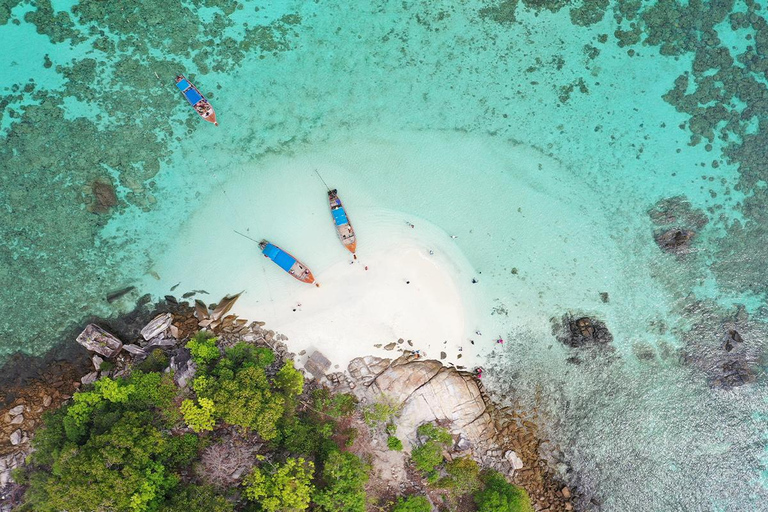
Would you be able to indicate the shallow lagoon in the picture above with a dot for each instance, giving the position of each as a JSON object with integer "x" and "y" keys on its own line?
{"x": 540, "y": 144}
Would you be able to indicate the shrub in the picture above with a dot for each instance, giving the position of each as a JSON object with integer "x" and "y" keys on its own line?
{"x": 203, "y": 348}
{"x": 463, "y": 476}
{"x": 286, "y": 487}
{"x": 412, "y": 504}
{"x": 289, "y": 380}
{"x": 351, "y": 435}
{"x": 391, "y": 429}
{"x": 337, "y": 406}
{"x": 156, "y": 361}
{"x": 244, "y": 354}
{"x": 430, "y": 455}
{"x": 501, "y": 496}
{"x": 199, "y": 417}
{"x": 434, "y": 433}
{"x": 427, "y": 456}
{"x": 381, "y": 412}
{"x": 344, "y": 476}
{"x": 393, "y": 443}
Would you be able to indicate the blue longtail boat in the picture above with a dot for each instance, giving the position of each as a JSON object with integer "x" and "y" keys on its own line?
{"x": 285, "y": 261}
{"x": 196, "y": 99}
{"x": 340, "y": 220}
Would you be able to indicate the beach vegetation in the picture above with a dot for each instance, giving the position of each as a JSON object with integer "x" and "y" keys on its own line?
{"x": 282, "y": 487}
{"x": 156, "y": 361}
{"x": 429, "y": 456}
{"x": 343, "y": 477}
{"x": 463, "y": 476}
{"x": 498, "y": 495}
{"x": 412, "y": 504}
{"x": 198, "y": 416}
{"x": 383, "y": 411}
{"x": 394, "y": 443}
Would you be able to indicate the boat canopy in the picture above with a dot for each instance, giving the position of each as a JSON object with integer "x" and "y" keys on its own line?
{"x": 279, "y": 256}
{"x": 193, "y": 96}
{"x": 340, "y": 216}
{"x": 182, "y": 85}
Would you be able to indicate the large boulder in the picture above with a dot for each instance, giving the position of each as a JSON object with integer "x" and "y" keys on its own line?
{"x": 96, "y": 339}
{"x": 157, "y": 326}
{"x": 427, "y": 391}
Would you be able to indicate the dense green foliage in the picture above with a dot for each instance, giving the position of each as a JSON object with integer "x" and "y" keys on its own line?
{"x": 344, "y": 476}
{"x": 463, "y": 476}
{"x": 501, "y": 496}
{"x": 198, "y": 416}
{"x": 123, "y": 445}
{"x": 429, "y": 455}
{"x": 393, "y": 443}
{"x": 239, "y": 390}
{"x": 110, "y": 449}
{"x": 412, "y": 504}
{"x": 283, "y": 488}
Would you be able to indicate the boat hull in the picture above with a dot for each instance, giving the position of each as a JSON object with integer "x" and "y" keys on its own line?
{"x": 287, "y": 262}
{"x": 196, "y": 99}
{"x": 344, "y": 228}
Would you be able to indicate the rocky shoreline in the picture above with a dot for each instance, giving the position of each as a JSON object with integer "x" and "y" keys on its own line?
{"x": 498, "y": 438}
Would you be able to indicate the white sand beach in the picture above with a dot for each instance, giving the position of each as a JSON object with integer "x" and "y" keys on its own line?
{"x": 395, "y": 292}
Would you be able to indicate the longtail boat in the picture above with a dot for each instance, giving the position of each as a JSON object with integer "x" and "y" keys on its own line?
{"x": 287, "y": 262}
{"x": 196, "y": 99}
{"x": 343, "y": 226}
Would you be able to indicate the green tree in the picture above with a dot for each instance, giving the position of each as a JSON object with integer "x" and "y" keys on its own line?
{"x": 245, "y": 399}
{"x": 498, "y": 495}
{"x": 203, "y": 349}
{"x": 344, "y": 476}
{"x": 285, "y": 488}
{"x": 199, "y": 417}
{"x": 122, "y": 470}
{"x": 197, "y": 498}
{"x": 412, "y": 504}
{"x": 289, "y": 380}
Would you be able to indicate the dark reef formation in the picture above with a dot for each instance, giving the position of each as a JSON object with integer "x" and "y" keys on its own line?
{"x": 581, "y": 332}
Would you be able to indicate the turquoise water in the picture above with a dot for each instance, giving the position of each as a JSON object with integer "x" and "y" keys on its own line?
{"x": 542, "y": 144}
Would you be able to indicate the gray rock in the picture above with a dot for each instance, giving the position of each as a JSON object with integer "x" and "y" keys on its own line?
{"x": 18, "y": 420}
{"x": 16, "y": 410}
{"x": 157, "y": 326}
{"x": 96, "y": 360}
{"x": 89, "y": 378}
{"x": 183, "y": 368}
{"x": 16, "y": 437}
{"x": 463, "y": 443}
{"x": 317, "y": 364}
{"x": 96, "y": 339}
{"x": 134, "y": 349}
{"x": 161, "y": 341}
{"x": 514, "y": 459}
{"x": 47, "y": 399}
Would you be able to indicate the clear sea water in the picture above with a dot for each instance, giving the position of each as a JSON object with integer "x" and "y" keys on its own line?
{"x": 540, "y": 143}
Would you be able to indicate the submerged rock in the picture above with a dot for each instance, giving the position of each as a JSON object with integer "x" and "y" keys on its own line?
{"x": 583, "y": 331}
{"x": 678, "y": 224}
{"x": 675, "y": 240}
{"x": 104, "y": 196}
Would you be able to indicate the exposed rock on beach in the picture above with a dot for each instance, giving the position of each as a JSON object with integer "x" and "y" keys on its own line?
{"x": 427, "y": 391}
